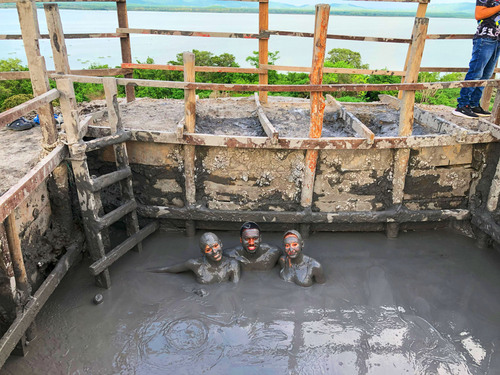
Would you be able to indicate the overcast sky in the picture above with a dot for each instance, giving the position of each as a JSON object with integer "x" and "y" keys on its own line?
{"x": 313, "y": 2}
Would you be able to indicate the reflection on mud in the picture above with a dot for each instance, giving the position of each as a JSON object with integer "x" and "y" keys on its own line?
{"x": 351, "y": 341}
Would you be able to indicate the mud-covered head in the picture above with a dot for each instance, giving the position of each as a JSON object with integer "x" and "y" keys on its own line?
{"x": 250, "y": 236}
{"x": 293, "y": 243}
{"x": 211, "y": 246}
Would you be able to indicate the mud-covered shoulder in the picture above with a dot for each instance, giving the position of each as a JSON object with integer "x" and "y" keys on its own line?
{"x": 233, "y": 252}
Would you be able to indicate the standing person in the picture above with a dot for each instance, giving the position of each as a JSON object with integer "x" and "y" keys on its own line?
{"x": 485, "y": 52}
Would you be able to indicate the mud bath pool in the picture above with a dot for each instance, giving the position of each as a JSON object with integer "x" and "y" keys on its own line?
{"x": 425, "y": 303}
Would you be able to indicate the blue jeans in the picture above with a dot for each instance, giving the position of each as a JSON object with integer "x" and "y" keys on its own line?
{"x": 485, "y": 54}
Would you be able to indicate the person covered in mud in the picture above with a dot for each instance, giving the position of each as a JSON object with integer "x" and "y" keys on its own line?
{"x": 212, "y": 267}
{"x": 295, "y": 266}
{"x": 252, "y": 254}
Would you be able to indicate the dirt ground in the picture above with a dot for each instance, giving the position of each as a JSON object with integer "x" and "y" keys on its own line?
{"x": 232, "y": 116}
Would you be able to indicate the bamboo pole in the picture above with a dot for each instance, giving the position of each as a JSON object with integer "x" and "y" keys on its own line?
{"x": 317, "y": 101}
{"x": 263, "y": 47}
{"x": 189, "y": 150}
{"x": 28, "y": 21}
{"x": 121, "y": 10}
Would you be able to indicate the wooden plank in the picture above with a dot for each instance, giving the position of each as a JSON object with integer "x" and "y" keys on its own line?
{"x": 115, "y": 254}
{"x": 401, "y": 215}
{"x": 12, "y": 76}
{"x": 426, "y": 118}
{"x": 360, "y": 128}
{"x": 340, "y": 37}
{"x": 263, "y": 48}
{"x": 203, "y": 34}
{"x": 59, "y": 51}
{"x": 69, "y": 109}
{"x": 34, "y": 104}
{"x": 30, "y": 182}
{"x": 96, "y": 144}
{"x": 449, "y": 36}
{"x": 180, "y": 68}
{"x": 415, "y": 57}
{"x": 6, "y": 266}
{"x": 317, "y": 101}
{"x": 28, "y": 21}
{"x": 35, "y": 304}
{"x": 324, "y": 143}
{"x": 270, "y": 130}
{"x": 333, "y": 70}
{"x": 106, "y": 180}
{"x": 115, "y": 215}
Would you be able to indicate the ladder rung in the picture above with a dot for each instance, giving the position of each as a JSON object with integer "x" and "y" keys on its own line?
{"x": 103, "y": 181}
{"x": 115, "y": 215}
{"x": 99, "y": 266}
{"x": 98, "y": 143}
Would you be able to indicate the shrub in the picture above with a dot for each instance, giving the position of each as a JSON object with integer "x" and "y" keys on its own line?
{"x": 15, "y": 100}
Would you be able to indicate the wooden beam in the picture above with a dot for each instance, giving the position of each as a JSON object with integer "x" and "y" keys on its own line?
{"x": 126, "y": 50}
{"x": 317, "y": 101}
{"x": 106, "y": 180}
{"x": 35, "y": 304}
{"x": 270, "y": 130}
{"x": 34, "y": 104}
{"x": 115, "y": 254}
{"x": 28, "y": 21}
{"x": 16, "y": 255}
{"x": 340, "y": 37}
{"x": 408, "y": 97}
{"x": 402, "y": 215}
{"x": 333, "y": 70}
{"x": 263, "y": 47}
{"x": 67, "y": 36}
{"x": 360, "y": 128}
{"x": 189, "y": 94}
{"x": 209, "y": 69}
{"x": 202, "y": 34}
{"x": 324, "y": 143}
{"x": 30, "y": 182}
{"x": 57, "y": 41}
{"x": 69, "y": 109}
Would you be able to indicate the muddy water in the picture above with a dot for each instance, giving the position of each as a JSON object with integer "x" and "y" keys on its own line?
{"x": 426, "y": 303}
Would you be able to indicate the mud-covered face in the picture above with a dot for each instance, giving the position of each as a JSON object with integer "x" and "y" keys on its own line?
{"x": 292, "y": 246}
{"x": 213, "y": 250}
{"x": 250, "y": 240}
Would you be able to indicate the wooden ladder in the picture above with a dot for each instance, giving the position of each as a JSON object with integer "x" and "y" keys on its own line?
{"x": 89, "y": 189}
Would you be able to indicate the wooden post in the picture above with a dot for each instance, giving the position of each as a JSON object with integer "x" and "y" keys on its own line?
{"x": 487, "y": 93}
{"x": 408, "y": 100}
{"x": 401, "y": 158}
{"x": 421, "y": 10}
{"x": 189, "y": 150}
{"x": 263, "y": 47}
{"x": 317, "y": 100}
{"x": 121, "y": 9}
{"x": 495, "y": 112}
{"x": 28, "y": 21}
{"x": 57, "y": 41}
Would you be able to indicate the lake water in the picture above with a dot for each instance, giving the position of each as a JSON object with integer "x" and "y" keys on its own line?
{"x": 293, "y": 50}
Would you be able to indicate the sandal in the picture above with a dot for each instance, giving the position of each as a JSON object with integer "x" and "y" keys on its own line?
{"x": 20, "y": 124}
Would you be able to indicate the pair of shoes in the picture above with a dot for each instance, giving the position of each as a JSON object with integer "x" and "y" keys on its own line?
{"x": 465, "y": 111}
{"x": 480, "y": 111}
{"x": 20, "y": 124}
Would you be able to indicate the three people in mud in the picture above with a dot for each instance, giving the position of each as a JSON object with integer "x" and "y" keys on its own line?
{"x": 216, "y": 265}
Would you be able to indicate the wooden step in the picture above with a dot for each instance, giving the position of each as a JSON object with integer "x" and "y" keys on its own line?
{"x": 115, "y": 215}
{"x": 98, "y": 143}
{"x": 106, "y": 180}
{"x": 102, "y": 264}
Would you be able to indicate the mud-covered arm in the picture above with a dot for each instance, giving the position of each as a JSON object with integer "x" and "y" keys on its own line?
{"x": 318, "y": 274}
{"x": 176, "y": 268}
{"x": 236, "y": 271}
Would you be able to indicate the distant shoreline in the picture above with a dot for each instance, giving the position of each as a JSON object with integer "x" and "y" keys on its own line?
{"x": 357, "y": 13}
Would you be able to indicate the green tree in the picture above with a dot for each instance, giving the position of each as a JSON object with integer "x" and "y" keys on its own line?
{"x": 352, "y": 58}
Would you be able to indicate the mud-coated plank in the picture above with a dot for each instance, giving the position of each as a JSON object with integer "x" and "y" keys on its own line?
{"x": 107, "y": 141}
{"x": 97, "y": 267}
{"x": 106, "y": 180}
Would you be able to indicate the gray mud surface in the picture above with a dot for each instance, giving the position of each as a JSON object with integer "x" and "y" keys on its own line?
{"x": 425, "y": 303}
{"x": 383, "y": 120}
